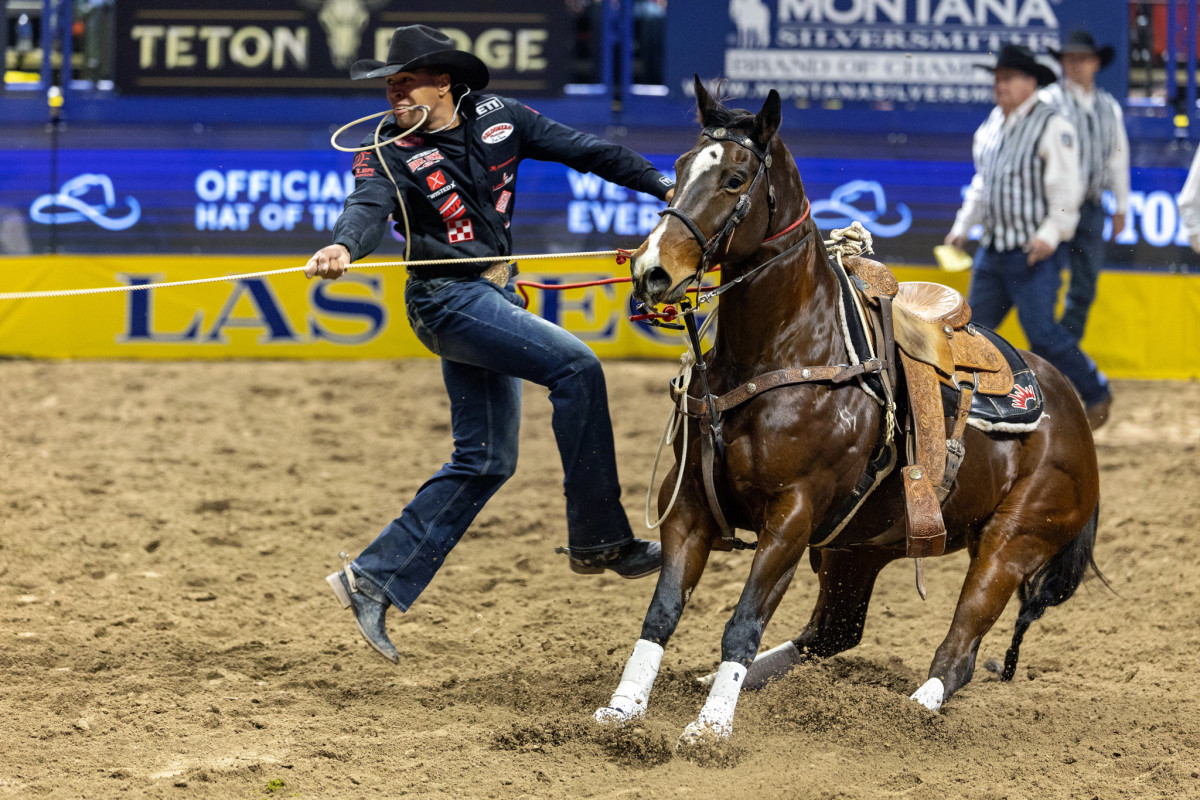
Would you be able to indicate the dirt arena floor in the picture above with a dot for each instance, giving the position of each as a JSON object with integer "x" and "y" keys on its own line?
{"x": 166, "y": 631}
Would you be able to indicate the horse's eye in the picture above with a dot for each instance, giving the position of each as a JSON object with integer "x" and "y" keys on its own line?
{"x": 734, "y": 183}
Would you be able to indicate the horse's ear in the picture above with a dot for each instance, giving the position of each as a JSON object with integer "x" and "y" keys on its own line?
{"x": 766, "y": 123}
{"x": 705, "y": 105}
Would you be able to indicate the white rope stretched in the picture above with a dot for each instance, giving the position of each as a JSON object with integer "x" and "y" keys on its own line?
{"x": 265, "y": 273}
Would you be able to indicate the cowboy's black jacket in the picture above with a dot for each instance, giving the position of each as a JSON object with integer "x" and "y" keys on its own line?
{"x": 458, "y": 185}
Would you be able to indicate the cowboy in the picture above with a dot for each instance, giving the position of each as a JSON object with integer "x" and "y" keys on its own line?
{"x": 1025, "y": 192}
{"x": 1103, "y": 165}
{"x": 453, "y": 177}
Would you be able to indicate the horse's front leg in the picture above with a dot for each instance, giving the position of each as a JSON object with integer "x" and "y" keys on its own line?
{"x": 778, "y": 551}
{"x": 687, "y": 538}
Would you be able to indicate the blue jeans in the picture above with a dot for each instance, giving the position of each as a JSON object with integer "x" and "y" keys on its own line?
{"x": 1086, "y": 252}
{"x": 1001, "y": 280}
{"x": 488, "y": 344}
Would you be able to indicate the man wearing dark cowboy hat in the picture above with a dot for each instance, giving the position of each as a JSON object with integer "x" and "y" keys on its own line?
{"x": 1103, "y": 164}
{"x": 1025, "y": 192}
{"x": 456, "y": 174}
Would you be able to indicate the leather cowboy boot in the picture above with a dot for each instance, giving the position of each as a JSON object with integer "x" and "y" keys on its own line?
{"x": 636, "y": 558}
{"x": 368, "y": 613}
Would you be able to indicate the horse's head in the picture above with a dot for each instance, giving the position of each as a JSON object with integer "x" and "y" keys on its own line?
{"x": 723, "y": 200}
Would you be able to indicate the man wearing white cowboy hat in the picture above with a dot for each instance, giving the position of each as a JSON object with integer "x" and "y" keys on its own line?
{"x": 1103, "y": 164}
{"x": 456, "y": 172}
{"x": 1026, "y": 193}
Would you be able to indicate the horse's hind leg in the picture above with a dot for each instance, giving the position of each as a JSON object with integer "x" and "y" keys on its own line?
{"x": 847, "y": 579}
{"x": 1007, "y": 557}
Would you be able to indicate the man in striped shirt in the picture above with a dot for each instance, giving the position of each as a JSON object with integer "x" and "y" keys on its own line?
{"x": 1103, "y": 164}
{"x": 1026, "y": 193}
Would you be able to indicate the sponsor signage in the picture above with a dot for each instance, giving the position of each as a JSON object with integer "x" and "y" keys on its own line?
{"x": 278, "y": 201}
{"x": 361, "y": 315}
{"x": 285, "y": 46}
{"x": 882, "y": 53}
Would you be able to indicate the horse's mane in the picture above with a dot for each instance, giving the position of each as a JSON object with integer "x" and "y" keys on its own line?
{"x": 733, "y": 118}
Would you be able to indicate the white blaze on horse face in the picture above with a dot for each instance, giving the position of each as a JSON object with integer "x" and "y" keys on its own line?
{"x": 716, "y": 718}
{"x": 633, "y": 692}
{"x": 651, "y": 255}
{"x": 705, "y": 160}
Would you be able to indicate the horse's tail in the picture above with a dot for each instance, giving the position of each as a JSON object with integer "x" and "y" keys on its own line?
{"x": 1053, "y": 585}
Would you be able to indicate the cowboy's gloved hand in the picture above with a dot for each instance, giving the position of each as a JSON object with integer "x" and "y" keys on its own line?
{"x": 329, "y": 262}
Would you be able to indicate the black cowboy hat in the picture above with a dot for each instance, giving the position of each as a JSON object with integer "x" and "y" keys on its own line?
{"x": 1021, "y": 58}
{"x": 416, "y": 46}
{"x": 1082, "y": 42}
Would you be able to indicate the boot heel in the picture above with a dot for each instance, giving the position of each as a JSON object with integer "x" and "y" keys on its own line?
{"x": 339, "y": 588}
{"x": 582, "y": 569}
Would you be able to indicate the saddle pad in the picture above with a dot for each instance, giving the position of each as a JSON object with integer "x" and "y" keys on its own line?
{"x": 1016, "y": 412}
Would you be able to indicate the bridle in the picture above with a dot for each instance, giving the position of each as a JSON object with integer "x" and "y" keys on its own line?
{"x": 709, "y": 246}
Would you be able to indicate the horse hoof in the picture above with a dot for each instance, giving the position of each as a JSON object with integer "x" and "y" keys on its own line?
{"x": 931, "y": 694}
{"x": 615, "y": 717}
{"x": 698, "y": 734}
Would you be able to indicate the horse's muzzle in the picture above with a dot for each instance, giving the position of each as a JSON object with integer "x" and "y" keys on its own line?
{"x": 654, "y": 286}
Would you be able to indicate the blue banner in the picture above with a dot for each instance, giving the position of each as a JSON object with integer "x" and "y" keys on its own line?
{"x": 280, "y": 202}
{"x": 882, "y": 53}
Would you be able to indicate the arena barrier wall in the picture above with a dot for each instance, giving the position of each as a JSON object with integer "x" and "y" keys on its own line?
{"x": 1142, "y": 326}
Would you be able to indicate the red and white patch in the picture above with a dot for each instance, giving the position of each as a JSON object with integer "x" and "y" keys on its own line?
{"x": 502, "y": 203}
{"x": 423, "y": 160}
{"x": 497, "y": 133}
{"x": 1022, "y": 397}
{"x": 460, "y": 230}
{"x": 452, "y": 208}
{"x": 409, "y": 141}
{"x": 437, "y": 180}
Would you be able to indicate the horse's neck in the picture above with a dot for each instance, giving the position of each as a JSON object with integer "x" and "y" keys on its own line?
{"x": 785, "y": 316}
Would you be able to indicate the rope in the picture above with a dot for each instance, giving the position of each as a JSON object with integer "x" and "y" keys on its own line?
{"x": 383, "y": 161}
{"x": 266, "y": 273}
{"x": 684, "y": 379}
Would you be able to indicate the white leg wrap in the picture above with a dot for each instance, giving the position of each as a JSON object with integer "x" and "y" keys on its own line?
{"x": 768, "y": 664}
{"x": 633, "y": 692}
{"x": 930, "y": 694}
{"x": 716, "y": 718}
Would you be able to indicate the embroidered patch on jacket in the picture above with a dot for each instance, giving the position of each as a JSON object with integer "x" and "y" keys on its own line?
{"x": 502, "y": 203}
{"x": 425, "y": 159}
{"x": 501, "y": 165}
{"x": 488, "y": 106}
{"x": 362, "y": 167}
{"x": 497, "y": 133}
{"x": 1022, "y": 396}
{"x": 452, "y": 208}
{"x": 460, "y": 230}
{"x": 436, "y": 180}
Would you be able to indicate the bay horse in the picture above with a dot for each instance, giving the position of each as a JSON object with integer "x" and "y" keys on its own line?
{"x": 1024, "y": 504}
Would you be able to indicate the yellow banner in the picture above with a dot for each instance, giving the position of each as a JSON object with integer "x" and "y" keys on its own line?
{"x": 1142, "y": 326}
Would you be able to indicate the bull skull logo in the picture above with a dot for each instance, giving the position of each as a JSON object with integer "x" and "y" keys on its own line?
{"x": 344, "y": 22}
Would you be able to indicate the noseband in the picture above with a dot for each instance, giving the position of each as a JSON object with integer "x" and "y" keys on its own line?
{"x": 710, "y": 246}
